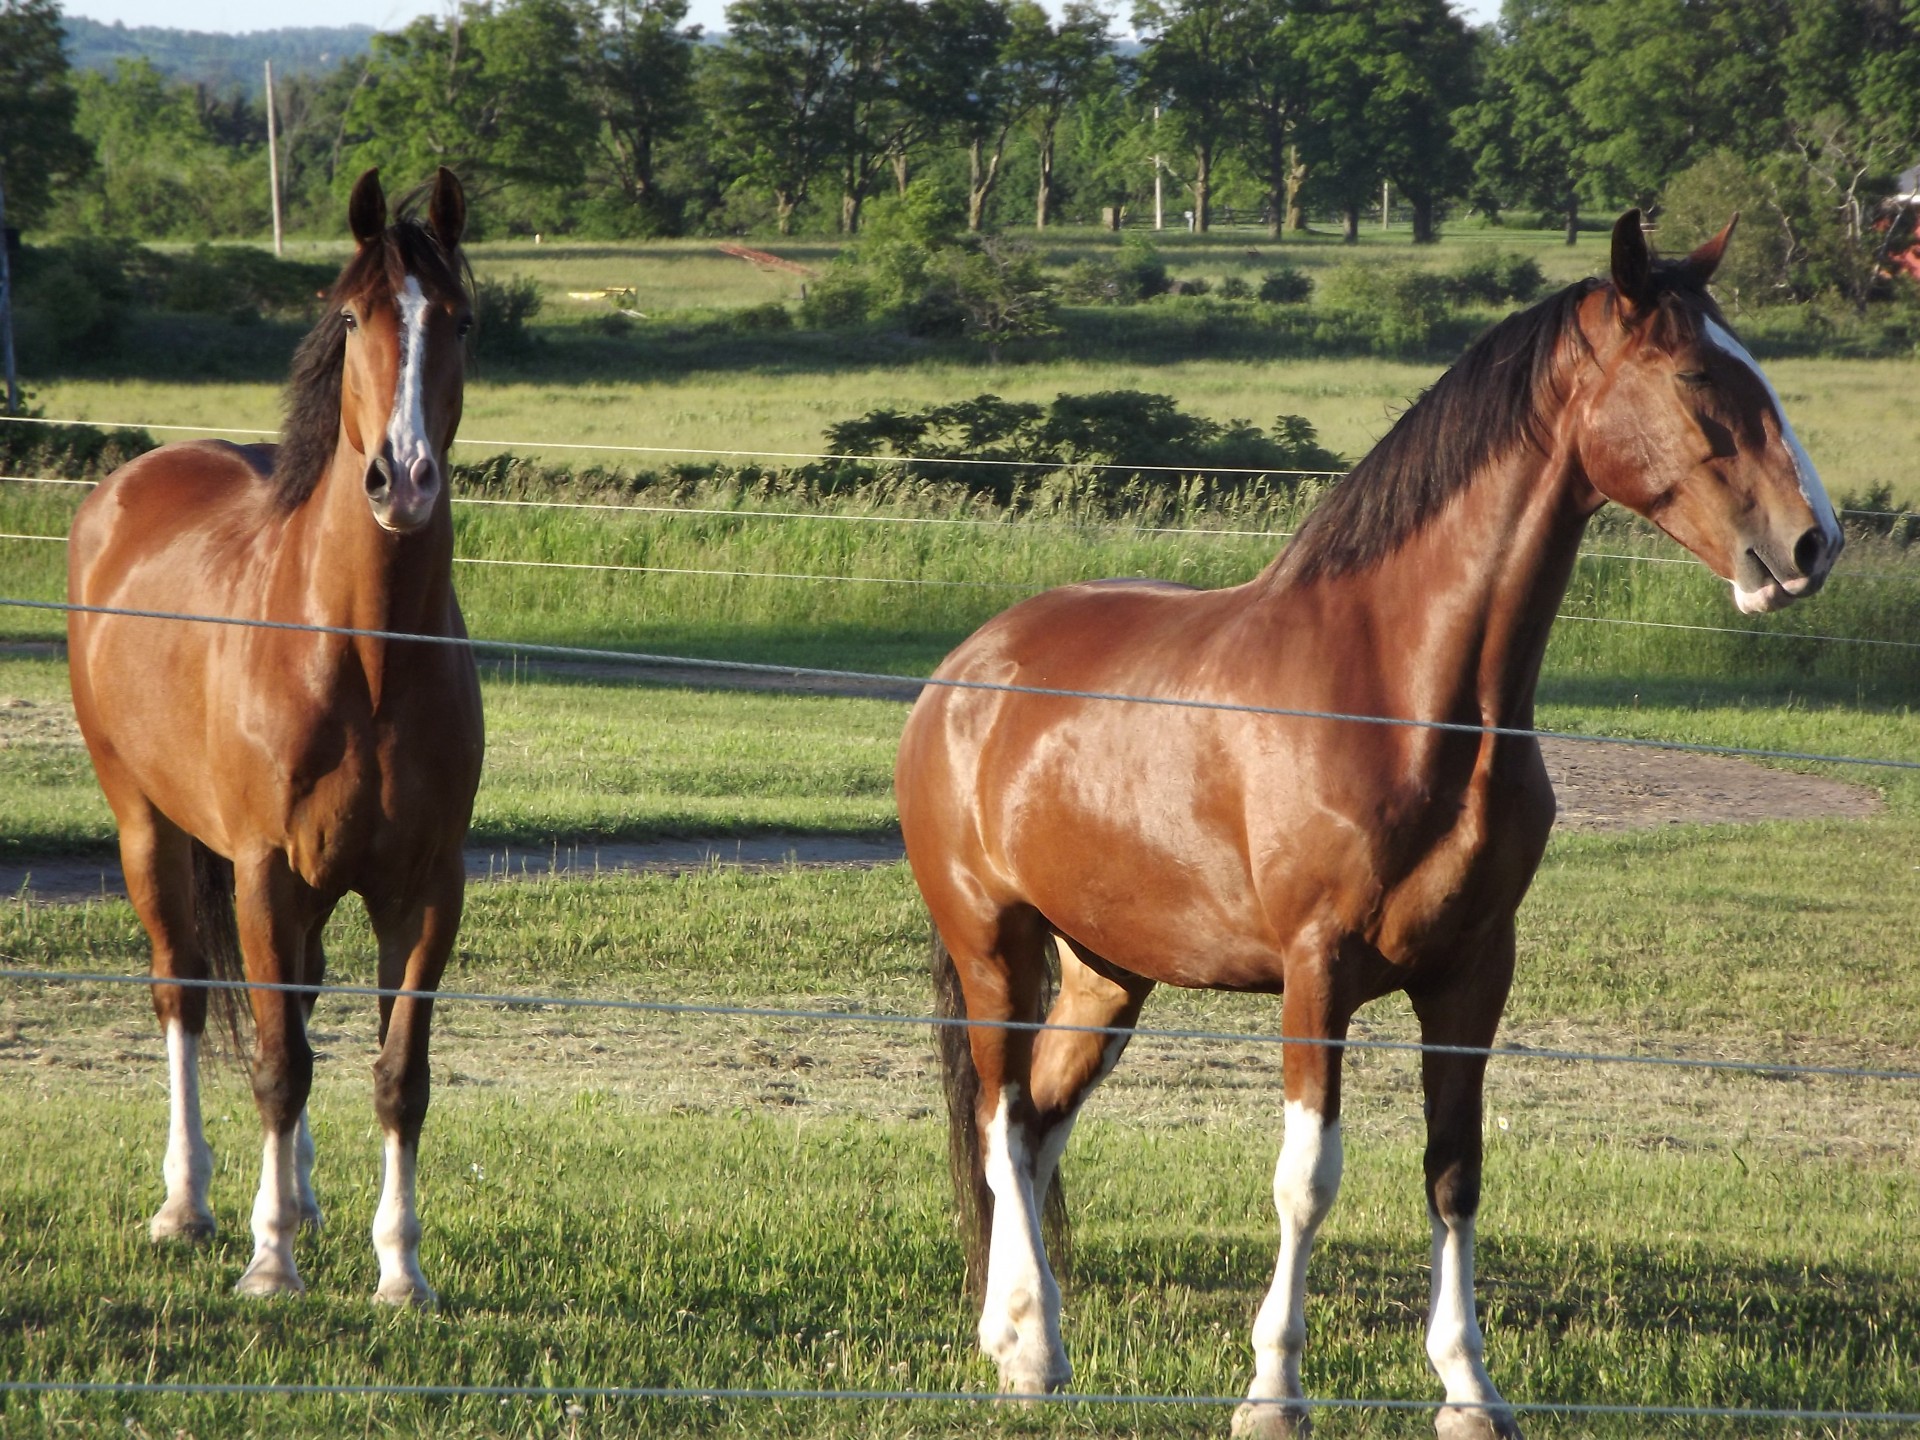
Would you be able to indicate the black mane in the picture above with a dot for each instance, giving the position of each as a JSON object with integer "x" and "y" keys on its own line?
{"x": 311, "y": 428}
{"x": 1490, "y": 401}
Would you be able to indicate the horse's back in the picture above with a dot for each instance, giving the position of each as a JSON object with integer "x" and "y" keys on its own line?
{"x": 197, "y": 490}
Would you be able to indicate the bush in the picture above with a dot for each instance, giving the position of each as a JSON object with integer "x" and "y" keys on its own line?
{"x": 1395, "y": 307}
{"x": 71, "y": 300}
{"x": 1235, "y": 287}
{"x": 1495, "y": 280}
{"x": 69, "y": 452}
{"x": 838, "y": 300}
{"x": 1285, "y": 286}
{"x": 1136, "y": 273}
{"x": 762, "y": 319}
{"x": 1111, "y": 429}
{"x": 501, "y": 309}
{"x": 997, "y": 287}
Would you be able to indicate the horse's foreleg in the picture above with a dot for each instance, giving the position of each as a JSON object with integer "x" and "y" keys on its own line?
{"x": 1306, "y": 1180}
{"x": 313, "y": 972}
{"x": 157, "y": 860}
{"x": 275, "y": 911}
{"x": 415, "y": 940}
{"x": 1466, "y": 1013}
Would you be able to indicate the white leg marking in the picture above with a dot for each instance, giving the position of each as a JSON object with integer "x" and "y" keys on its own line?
{"x": 1020, "y": 1321}
{"x": 276, "y": 1216}
{"x": 188, "y": 1168}
{"x": 1305, "y": 1183}
{"x": 1454, "y": 1343}
{"x": 310, "y": 1216}
{"x": 1811, "y": 489}
{"x": 396, "y": 1230}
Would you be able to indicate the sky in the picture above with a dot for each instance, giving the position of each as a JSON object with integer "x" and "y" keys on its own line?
{"x": 235, "y": 16}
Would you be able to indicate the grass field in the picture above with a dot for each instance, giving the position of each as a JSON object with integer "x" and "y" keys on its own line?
{"x": 626, "y": 1198}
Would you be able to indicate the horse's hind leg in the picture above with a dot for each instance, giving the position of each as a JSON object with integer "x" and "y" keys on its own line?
{"x": 1306, "y": 1181}
{"x": 313, "y": 971}
{"x": 1465, "y": 1012}
{"x": 157, "y": 859}
{"x": 276, "y": 913}
{"x": 416, "y": 936}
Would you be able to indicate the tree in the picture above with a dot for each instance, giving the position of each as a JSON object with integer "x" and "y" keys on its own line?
{"x": 1670, "y": 81}
{"x": 639, "y": 72}
{"x": 1272, "y": 104}
{"x": 1062, "y": 63}
{"x": 1192, "y": 64}
{"x": 772, "y": 84}
{"x": 496, "y": 94}
{"x": 1525, "y": 141}
{"x": 39, "y": 147}
{"x": 1386, "y": 77}
{"x": 972, "y": 75}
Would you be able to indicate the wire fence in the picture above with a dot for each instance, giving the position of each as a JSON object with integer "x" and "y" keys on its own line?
{"x": 874, "y": 678}
{"x": 1758, "y": 1067}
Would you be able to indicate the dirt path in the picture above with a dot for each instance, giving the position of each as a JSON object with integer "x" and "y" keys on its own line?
{"x": 1600, "y": 787}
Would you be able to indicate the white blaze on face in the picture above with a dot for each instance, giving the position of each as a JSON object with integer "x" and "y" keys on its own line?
{"x": 1811, "y": 489}
{"x": 407, "y": 425}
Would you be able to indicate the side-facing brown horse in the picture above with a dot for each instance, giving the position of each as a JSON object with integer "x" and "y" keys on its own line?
{"x": 1330, "y": 861}
{"x": 258, "y": 774}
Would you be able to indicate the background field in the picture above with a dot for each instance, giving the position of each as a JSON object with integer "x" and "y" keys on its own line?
{"x": 637, "y": 1199}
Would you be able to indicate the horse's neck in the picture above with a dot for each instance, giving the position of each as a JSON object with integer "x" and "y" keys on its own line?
{"x": 360, "y": 576}
{"x": 1473, "y": 594}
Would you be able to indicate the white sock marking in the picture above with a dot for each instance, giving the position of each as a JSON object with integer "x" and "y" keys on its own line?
{"x": 188, "y": 1167}
{"x": 1454, "y": 1343}
{"x": 396, "y": 1227}
{"x": 1020, "y": 1321}
{"x": 1306, "y": 1181}
{"x": 276, "y": 1218}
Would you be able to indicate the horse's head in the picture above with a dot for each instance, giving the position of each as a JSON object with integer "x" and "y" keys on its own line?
{"x": 405, "y": 310}
{"x": 1684, "y": 429}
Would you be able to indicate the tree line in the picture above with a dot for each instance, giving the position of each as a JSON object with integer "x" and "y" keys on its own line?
{"x": 615, "y": 118}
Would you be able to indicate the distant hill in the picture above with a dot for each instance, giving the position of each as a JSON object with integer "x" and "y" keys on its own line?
{"x": 223, "y": 62}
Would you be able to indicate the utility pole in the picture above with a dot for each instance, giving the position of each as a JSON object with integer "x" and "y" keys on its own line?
{"x": 273, "y": 161}
{"x": 6, "y": 305}
{"x": 1386, "y": 200}
{"x": 1159, "y": 215}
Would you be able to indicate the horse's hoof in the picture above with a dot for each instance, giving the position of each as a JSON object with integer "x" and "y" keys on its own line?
{"x": 270, "y": 1274}
{"x": 195, "y": 1227}
{"x": 1271, "y": 1420}
{"x": 1018, "y": 1379}
{"x": 1457, "y": 1424}
{"x": 409, "y": 1291}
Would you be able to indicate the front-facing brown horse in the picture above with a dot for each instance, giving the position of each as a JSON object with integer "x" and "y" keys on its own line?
{"x": 1330, "y": 861}
{"x": 258, "y": 775}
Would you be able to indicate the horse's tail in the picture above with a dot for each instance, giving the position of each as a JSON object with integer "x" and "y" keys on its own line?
{"x": 219, "y": 936}
{"x": 973, "y": 1199}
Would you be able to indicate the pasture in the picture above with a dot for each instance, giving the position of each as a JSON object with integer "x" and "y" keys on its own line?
{"x": 688, "y": 1201}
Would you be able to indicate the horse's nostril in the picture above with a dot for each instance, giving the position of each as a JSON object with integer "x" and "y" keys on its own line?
{"x": 1810, "y": 550}
{"x": 379, "y": 477}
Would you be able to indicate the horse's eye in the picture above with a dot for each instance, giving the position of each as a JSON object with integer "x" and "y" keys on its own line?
{"x": 1693, "y": 379}
{"x": 466, "y": 324}
{"x": 351, "y": 323}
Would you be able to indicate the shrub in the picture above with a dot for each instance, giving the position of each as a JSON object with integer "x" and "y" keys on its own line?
{"x": 760, "y": 319}
{"x": 839, "y": 299}
{"x": 1395, "y": 307}
{"x": 1111, "y": 429}
{"x": 1235, "y": 287}
{"x": 1285, "y": 286}
{"x": 71, "y": 300}
{"x": 1136, "y": 273}
{"x": 1495, "y": 280}
{"x": 997, "y": 286}
{"x": 501, "y": 309}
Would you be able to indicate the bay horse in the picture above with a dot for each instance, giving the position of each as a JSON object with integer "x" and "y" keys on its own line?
{"x": 1329, "y": 861}
{"x": 258, "y": 775}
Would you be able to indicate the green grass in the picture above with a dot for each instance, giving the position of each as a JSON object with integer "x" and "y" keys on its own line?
{"x": 631, "y": 1199}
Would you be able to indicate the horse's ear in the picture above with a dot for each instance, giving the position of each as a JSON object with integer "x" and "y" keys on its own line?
{"x": 1632, "y": 263}
{"x": 1697, "y": 269}
{"x": 448, "y": 210}
{"x": 367, "y": 209}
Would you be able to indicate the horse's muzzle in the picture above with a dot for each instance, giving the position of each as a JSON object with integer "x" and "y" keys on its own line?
{"x": 402, "y": 500}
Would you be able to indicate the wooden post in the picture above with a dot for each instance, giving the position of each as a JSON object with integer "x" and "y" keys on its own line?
{"x": 1159, "y": 215}
{"x": 273, "y": 161}
{"x": 1386, "y": 197}
{"x": 6, "y": 307}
